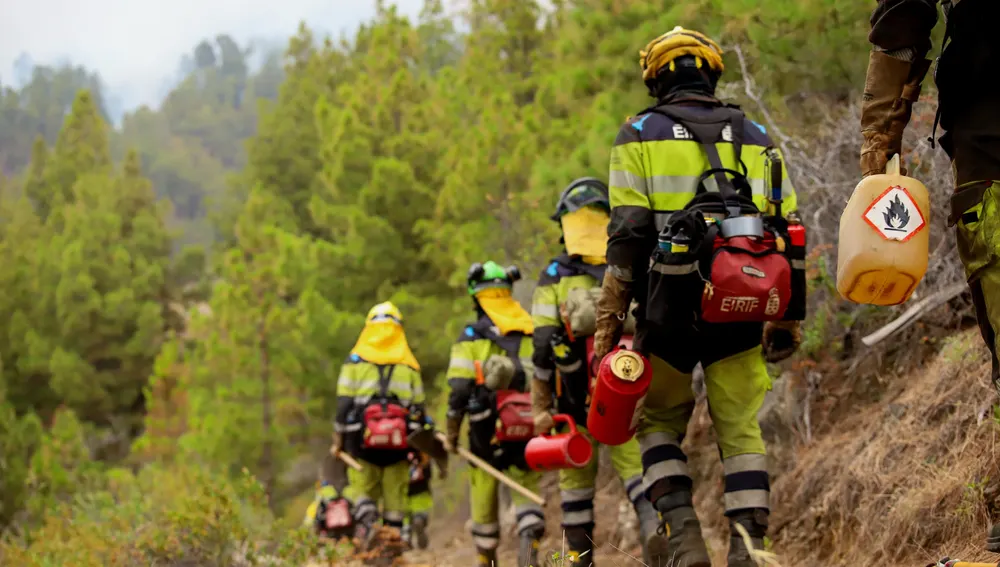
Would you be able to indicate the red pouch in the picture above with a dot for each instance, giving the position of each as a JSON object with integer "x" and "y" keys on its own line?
{"x": 385, "y": 427}
{"x": 514, "y": 421}
{"x": 338, "y": 514}
{"x": 750, "y": 280}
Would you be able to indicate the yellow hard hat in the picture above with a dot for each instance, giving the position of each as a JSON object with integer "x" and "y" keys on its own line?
{"x": 384, "y": 311}
{"x": 662, "y": 51}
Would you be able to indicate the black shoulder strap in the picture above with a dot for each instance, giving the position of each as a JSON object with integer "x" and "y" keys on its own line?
{"x": 706, "y": 128}
{"x": 576, "y": 265}
{"x": 384, "y": 377}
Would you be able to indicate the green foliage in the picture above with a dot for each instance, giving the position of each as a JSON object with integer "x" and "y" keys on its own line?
{"x": 344, "y": 174}
{"x": 18, "y": 439}
{"x": 180, "y": 515}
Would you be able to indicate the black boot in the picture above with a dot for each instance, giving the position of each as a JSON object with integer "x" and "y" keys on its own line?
{"x": 649, "y": 522}
{"x": 993, "y": 540}
{"x": 678, "y": 541}
{"x": 527, "y": 548}
{"x": 579, "y": 540}
{"x": 419, "y": 530}
{"x": 486, "y": 557}
{"x": 755, "y": 523}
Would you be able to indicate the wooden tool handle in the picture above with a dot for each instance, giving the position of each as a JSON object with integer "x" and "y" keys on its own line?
{"x": 467, "y": 455}
{"x": 349, "y": 460}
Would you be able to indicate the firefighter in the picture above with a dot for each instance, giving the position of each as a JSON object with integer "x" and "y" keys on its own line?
{"x": 968, "y": 96}
{"x": 654, "y": 171}
{"x": 315, "y": 519}
{"x": 487, "y": 380}
{"x": 380, "y": 399}
{"x": 420, "y": 502}
{"x": 566, "y": 285}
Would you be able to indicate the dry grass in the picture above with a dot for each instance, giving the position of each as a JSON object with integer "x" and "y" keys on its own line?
{"x": 902, "y": 481}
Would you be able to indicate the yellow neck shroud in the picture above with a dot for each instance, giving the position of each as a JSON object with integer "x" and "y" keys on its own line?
{"x": 384, "y": 342}
{"x": 585, "y": 233}
{"x": 505, "y": 312}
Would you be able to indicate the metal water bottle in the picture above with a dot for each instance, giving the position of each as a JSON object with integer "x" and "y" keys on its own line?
{"x": 619, "y": 396}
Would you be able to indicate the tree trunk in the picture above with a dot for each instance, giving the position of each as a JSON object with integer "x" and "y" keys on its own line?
{"x": 266, "y": 451}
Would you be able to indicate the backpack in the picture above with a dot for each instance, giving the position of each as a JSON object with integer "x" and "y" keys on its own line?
{"x": 384, "y": 419}
{"x": 721, "y": 259}
{"x": 514, "y": 418}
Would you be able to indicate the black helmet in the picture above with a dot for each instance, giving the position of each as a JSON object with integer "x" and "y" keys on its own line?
{"x": 580, "y": 193}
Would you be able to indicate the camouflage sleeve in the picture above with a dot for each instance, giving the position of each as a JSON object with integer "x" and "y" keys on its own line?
{"x": 902, "y": 28}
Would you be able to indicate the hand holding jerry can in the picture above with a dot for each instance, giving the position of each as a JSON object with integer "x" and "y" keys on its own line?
{"x": 882, "y": 248}
{"x": 619, "y": 396}
{"x": 570, "y": 450}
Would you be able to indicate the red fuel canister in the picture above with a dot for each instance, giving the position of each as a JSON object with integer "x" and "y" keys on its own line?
{"x": 593, "y": 363}
{"x": 563, "y": 451}
{"x": 619, "y": 395}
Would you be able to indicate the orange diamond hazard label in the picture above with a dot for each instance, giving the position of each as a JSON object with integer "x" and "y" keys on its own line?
{"x": 895, "y": 215}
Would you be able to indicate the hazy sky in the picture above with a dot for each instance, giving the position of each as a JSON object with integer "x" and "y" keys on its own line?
{"x": 136, "y": 45}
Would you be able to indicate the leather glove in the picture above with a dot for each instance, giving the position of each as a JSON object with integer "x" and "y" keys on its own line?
{"x": 452, "y": 428}
{"x": 338, "y": 443}
{"x": 541, "y": 403}
{"x": 612, "y": 309}
{"x": 891, "y": 87}
{"x": 781, "y": 339}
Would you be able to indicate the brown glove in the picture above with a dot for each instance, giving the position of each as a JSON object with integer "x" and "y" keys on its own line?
{"x": 612, "y": 309}
{"x": 891, "y": 88}
{"x": 541, "y": 403}
{"x": 780, "y": 340}
{"x": 453, "y": 425}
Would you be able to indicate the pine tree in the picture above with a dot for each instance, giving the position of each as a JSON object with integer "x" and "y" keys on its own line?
{"x": 82, "y": 147}
{"x": 257, "y": 374}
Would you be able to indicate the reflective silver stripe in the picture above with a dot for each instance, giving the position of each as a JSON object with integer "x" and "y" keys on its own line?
{"x": 463, "y": 363}
{"x": 486, "y": 529}
{"x": 401, "y": 389}
{"x": 624, "y": 274}
{"x": 482, "y": 542}
{"x": 636, "y": 492}
{"x": 365, "y": 508}
{"x": 571, "y": 368}
{"x": 580, "y": 518}
{"x": 665, "y": 469}
{"x": 743, "y": 499}
{"x": 394, "y": 516}
{"x": 353, "y": 427}
{"x": 529, "y": 522}
{"x": 670, "y": 184}
{"x": 543, "y": 310}
{"x": 576, "y": 495}
{"x": 744, "y": 463}
{"x": 485, "y": 414}
{"x": 528, "y": 508}
{"x": 798, "y": 264}
{"x": 543, "y": 374}
{"x": 675, "y": 269}
{"x": 655, "y": 439}
{"x": 620, "y": 178}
